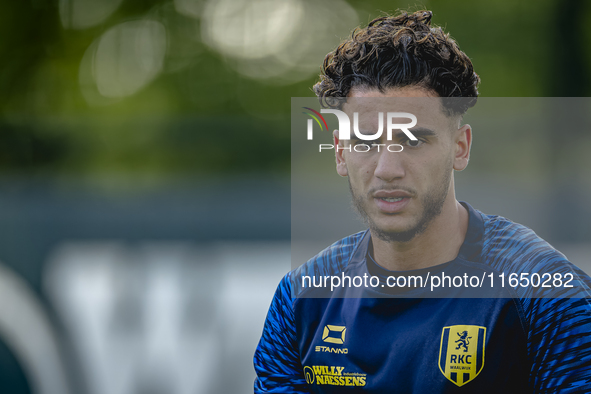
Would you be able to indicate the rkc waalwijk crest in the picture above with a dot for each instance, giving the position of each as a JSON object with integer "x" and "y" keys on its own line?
{"x": 461, "y": 354}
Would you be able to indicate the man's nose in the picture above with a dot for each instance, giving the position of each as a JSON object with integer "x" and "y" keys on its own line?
{"x": 390, "y": 166}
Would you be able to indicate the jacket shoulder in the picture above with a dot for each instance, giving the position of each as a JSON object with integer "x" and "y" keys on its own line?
{"x": 330, "y": 261}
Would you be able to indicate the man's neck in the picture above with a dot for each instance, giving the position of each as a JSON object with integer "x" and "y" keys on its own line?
{"x": 438, "y": 244}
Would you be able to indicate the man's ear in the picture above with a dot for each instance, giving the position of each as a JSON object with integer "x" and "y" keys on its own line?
{"x": 341, "y": 165}
{"x": 463, "y": 143}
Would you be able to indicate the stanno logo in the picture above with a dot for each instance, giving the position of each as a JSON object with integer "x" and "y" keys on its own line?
{"x": 334, "y": 334}
{"x": 461, "y": 353}
{"x": 328, "y": 349}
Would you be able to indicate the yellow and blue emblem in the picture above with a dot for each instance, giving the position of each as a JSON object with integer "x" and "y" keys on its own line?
{"x": 334, "y": 334}
{"x": 461, "y": 353}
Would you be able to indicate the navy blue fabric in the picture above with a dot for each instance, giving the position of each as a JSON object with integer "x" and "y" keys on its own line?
{"x": 533, "y": 340}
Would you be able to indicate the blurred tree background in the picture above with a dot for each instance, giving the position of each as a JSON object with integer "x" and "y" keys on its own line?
{"x": 150, "y": 89}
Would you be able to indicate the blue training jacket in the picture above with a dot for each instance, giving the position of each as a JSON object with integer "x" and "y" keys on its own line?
{"x": 530, "y": 335}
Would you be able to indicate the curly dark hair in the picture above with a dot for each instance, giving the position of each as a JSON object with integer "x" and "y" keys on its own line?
{"x": 398, "y": 51}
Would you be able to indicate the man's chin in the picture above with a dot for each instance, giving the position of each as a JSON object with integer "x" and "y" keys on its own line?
{"x": 390, "y": 234}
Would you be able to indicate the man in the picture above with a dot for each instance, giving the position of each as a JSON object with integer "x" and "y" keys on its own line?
{"x": 399, "y": 335}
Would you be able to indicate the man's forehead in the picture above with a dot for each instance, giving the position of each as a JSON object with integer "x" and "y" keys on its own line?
{"x": 426, "y": 105}
{"x": 392, "y": 100}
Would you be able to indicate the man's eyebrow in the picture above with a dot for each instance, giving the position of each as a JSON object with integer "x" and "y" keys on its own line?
{"x": 397, "y": 133}
{"x": 417, "y": 132}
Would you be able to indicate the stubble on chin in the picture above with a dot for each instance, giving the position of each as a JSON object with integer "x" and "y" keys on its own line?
{"x": 432, "y": 205}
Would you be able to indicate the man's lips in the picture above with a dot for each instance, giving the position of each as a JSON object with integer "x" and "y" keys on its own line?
{"x": 391, "y": 194}
{"x": 391, "y": 201}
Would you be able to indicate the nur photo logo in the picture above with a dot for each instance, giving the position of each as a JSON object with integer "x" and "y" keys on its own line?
{"x": 391, "y": 119}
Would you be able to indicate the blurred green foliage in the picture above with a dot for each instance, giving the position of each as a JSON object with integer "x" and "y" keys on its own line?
{"x": 199, "y": 115}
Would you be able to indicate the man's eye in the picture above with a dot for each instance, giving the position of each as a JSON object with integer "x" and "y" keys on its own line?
{"x": 414, "y": 143}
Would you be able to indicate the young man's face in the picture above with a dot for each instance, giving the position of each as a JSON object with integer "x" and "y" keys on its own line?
{"x": 400, "y": 193}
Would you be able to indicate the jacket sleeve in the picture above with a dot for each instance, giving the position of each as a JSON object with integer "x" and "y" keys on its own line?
{"x": 560, "y": 339}
{"x": 277, "y": 359}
